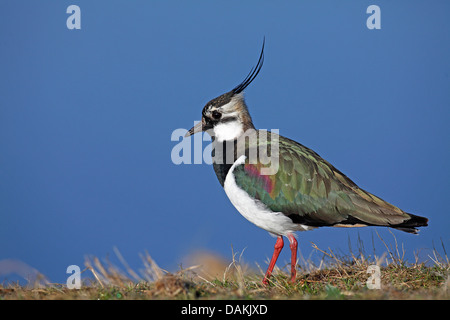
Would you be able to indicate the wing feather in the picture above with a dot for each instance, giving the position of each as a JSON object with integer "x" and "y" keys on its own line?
{"x": 310, "y": 190}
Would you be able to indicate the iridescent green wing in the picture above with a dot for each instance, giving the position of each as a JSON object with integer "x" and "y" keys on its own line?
{"x": 310, "y": 190}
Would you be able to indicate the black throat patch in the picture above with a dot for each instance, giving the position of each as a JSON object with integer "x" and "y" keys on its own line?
{"x": 223, "y": 155}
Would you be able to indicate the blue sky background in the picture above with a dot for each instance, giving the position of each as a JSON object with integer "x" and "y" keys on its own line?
{"x": 86, "y": 118}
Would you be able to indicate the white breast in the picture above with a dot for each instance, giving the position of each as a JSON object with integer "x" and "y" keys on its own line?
{"x": 255, "y": 211}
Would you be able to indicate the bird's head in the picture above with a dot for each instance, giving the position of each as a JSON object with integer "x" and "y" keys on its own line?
{"x": 226, "y": 117}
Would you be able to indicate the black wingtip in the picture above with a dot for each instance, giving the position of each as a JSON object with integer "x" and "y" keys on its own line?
{"x": 411, "y": 224}
{"x": 252, "y": 74}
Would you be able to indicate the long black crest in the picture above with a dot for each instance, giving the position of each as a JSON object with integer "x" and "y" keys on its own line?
{"x": 252, "y": 74}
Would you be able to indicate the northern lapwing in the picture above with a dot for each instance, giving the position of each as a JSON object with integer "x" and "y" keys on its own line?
{"x": 304, "y": 192}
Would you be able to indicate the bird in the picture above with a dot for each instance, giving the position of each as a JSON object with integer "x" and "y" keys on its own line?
{"x": 281, "y": 185}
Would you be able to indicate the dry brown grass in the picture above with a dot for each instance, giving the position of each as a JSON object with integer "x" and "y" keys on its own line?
{"x": 212, "y": 277}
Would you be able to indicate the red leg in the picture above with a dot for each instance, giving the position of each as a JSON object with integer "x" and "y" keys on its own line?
{"x": 276, "y": 252}
{"x": 293, "y": 245}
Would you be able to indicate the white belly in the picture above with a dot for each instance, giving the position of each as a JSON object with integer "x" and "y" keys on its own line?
{"x": 255, "y": 211}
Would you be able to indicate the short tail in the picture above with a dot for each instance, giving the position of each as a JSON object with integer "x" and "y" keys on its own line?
{"x": 410, "y": 224}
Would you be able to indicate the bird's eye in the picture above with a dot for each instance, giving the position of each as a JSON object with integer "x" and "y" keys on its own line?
{"x": 216, "y": 115}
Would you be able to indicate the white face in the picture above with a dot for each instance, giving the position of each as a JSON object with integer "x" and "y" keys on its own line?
{"x": 230, "y": 126}
{"x": 228, "y": 130}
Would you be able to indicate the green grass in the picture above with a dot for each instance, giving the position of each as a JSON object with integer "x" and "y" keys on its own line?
{"x": 334, "y": 277}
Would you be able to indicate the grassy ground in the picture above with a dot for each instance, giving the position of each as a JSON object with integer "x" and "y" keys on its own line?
{"x": 335, "y": 277}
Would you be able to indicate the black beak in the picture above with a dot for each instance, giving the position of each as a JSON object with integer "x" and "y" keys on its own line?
{"x": 197, "y": 128}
